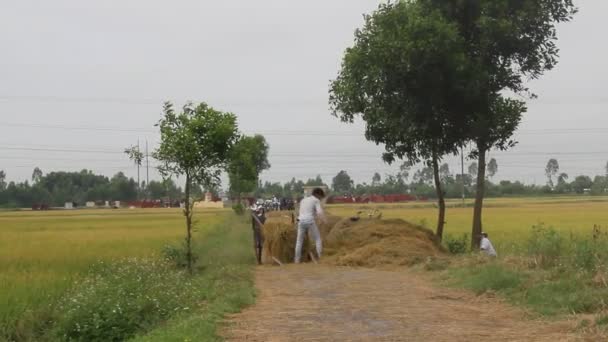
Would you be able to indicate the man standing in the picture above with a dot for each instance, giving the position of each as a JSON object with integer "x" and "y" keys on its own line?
{"x": 258, "y": 218}
{"x": 486, "y": 246}
{"x": 310, "y": 209}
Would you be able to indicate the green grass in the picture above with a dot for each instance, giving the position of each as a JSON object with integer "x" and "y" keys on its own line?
{"x": 490, "y": 277}
{"x": 43, "y": 254}
{"x": 227, "y": 274}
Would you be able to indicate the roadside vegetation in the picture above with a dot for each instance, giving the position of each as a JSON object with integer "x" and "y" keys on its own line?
{"x": 551, "y": 273}
{"x": 110, "y": 276}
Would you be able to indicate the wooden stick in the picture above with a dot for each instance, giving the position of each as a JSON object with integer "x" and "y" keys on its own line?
{"x": 277, "y": 261}
{"x": 313, "y": 257}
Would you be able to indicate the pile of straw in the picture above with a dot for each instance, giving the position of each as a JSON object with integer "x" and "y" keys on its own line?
{"x": 375, "y": 242}
{"x": 347, "y": 242}
{"x": 280, "y": 237}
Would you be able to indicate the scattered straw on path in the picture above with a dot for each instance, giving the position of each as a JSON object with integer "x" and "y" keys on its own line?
{"x": 325, "y": 303}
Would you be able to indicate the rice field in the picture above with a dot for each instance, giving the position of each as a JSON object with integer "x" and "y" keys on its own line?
{"x": 42, "y": 253}
{"x": 508, "y": 221}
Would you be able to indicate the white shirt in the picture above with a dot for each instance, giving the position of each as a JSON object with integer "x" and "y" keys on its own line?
{"x": 310, "y": 207}
{"x": 486, "y": 247}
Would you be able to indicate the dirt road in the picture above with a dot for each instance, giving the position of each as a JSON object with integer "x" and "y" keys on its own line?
{"x": 323, "y": 303}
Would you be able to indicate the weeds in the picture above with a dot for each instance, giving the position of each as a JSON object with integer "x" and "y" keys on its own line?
{"x": 178, "y": 255}
{"x": 555, "y": 274}
{"x": 117, "y": 300}
{"x": 545, "y": 246}
{"x": 457, "y": 245}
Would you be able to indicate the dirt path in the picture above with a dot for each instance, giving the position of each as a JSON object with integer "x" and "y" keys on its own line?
{"x": 322, "y": 303}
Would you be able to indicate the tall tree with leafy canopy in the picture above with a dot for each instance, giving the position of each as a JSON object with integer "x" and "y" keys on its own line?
{"x": 248, "y": 159}
{"x": 37, "y": 175}
{"x": 342, "y": 183}
{"x": 2, "y": 180}
{"x": 492, "y": 168}
{"x": 551, "y": 170}
{"x": 507, "y": 43}
{"x": 137, "y": 157}
{"x": 400, "y": 77}
{"x": 195, "y": 143}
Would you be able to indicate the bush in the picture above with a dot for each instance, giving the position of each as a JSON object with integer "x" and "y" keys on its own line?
{"x": 116, "y": 301}
{"x": 584, "y": 255}
{"x": 457, "y": 245}
{"x": 545, "y": 245}
{"x": 238, "y": 208}
{"x": 178, "y": 255}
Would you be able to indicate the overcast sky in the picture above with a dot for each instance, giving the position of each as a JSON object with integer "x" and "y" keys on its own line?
{"x": 92, "y": 75}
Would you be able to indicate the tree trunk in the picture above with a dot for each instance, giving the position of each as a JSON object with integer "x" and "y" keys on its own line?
{"x": 481, "y": 182}
{"x": 188, "y": 214}
{"x": 440, "y": 197}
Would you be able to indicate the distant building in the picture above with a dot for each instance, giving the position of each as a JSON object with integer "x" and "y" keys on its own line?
{"x": 90, "y": 204}
{"x": 209, "y": 202}
{"x": 69, "y": 205}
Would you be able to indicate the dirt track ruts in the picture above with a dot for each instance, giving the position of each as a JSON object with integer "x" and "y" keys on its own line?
{"x": 324, "y": 303}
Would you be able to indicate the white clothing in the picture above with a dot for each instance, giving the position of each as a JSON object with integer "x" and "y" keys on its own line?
{"x": 310, "y": 207}
{"x": 312, "y": 229}
{"x": 487, "y": 248}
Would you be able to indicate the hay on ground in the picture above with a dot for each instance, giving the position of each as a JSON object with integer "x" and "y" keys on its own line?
{"x": 374, "y": 242}
{"x": 280, "y": 237}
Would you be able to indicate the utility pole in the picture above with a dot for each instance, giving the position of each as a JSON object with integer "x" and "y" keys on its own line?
{"x": 138, "y": 164}
{"x": 462, "y": 173}
{"x": 147, "y": 165}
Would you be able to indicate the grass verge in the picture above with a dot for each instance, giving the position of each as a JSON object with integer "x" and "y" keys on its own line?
{"x": 550, "y": 292}
{"x": 226, "y": 276}
{"x": 151, "y": 298}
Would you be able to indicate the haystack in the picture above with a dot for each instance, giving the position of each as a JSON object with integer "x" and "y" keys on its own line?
{"x": 280, "y": 237}
{"x": 375, "y": 242}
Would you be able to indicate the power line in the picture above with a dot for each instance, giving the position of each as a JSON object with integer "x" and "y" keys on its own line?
{"x": 277, "y": 132}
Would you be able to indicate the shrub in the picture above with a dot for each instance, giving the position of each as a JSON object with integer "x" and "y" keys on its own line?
{"x": 238, "y": 209}
{"x": 457, "y": 245}
{"x": 545, "y": 245}
{"x": 178, "y": 255}
{"x": 584, "y": 255}
{"x": 116, "y": 301}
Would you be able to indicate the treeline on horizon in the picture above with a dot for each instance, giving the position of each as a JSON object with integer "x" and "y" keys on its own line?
{"x": 57, "y": 188}
{"x": 420, "y": 183}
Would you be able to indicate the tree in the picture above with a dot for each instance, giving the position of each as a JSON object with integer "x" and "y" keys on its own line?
{"x": 2, "y": 180}
{"x": 562, "y": 183}
{"x": 424, "y": 175}
{"x": 551, "y": 171}
{"x": 507, "y": 43}
{"x": 123, "y": 188}
{"x": 248, "y": 159}
{"x": 400, "y": 77}
{"x": 137, "y": 157}
{"x": 318, "y": 181}
{"x": 342, "y": 183}
{"x": 473, "y": 169}
{"x": 404, "y": 171}
{"x": 444, "y": 172}
{"x": 195, "y": 143}
{"x": 376, "y": 179}
{"x": 492, "y": 168}
{"x": 581, "y": 183}
{"x": 36, "y": 175}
